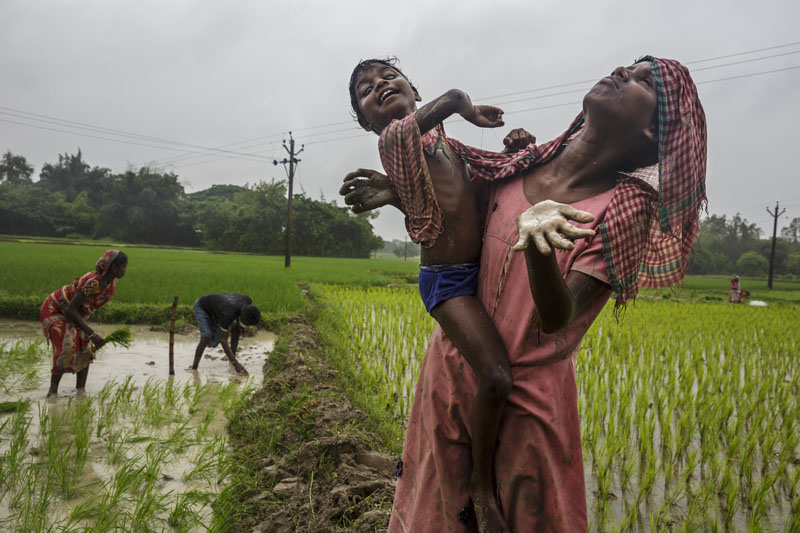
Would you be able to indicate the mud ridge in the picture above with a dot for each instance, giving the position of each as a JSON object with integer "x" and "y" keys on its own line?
{"x": 306, "y": 451}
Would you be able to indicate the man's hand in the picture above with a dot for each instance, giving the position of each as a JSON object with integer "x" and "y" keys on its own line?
{"x": 517, "y": 139}
{"x": 484, "y": 116}
{"x": 546, "y": 224}
{"x": 365, "y": 190}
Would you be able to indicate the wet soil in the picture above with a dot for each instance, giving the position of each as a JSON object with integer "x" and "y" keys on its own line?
{"x": 322, "y": 469}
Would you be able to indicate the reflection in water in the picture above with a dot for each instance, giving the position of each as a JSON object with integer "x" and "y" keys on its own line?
{"x": 148, "y": 357}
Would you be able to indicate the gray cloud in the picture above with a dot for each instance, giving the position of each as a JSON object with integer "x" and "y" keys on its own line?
{"x": 212, "y": 74}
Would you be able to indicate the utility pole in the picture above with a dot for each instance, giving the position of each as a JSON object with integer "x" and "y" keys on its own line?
{"x": 292, "y": 161}
{"x": 775, "y": 215}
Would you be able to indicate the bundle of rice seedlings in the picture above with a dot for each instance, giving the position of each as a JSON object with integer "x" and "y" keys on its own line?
{"x": 119, "y": 337}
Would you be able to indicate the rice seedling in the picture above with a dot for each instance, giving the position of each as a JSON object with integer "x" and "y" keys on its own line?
{"x": 705, "y": 422}
{"x": 135, "y": 434}
{"x": 18, "y": 365}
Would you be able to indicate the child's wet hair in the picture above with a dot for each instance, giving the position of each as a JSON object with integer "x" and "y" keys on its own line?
{"x": 366, "y": 65}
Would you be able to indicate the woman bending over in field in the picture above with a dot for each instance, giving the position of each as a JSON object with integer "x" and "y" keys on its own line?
{"x": 630, "y": 173}
{"x": 64, "y": 313}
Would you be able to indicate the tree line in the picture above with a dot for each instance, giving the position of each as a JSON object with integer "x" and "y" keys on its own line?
{"x": 735, "y": 246}
{"x": 73, "y": 199}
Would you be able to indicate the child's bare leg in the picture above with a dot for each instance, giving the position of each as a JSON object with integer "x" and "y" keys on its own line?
{"x": 467, "y": 324}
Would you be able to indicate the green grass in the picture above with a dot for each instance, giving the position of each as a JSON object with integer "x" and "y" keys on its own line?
{"x": 30, "y": 271}
{"x": 715, "y": 289}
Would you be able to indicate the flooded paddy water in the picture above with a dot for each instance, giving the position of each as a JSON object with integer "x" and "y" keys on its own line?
{"x": 137, "y": 450}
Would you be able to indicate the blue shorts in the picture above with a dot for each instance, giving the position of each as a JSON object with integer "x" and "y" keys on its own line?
{"x": 438, "y": 283}
{"x": 208, "y": 324}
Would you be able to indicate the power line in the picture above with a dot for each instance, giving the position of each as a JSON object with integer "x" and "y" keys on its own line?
{"x": 114, "y": 140}
{"x": 553, "y": 106}
{"x": 743, "y": 53}
{"x": 746, "y": 61}
{"x": 210, "y": 151}
{"x": 99, "y": 129}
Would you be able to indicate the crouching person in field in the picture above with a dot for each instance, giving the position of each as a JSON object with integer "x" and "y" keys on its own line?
{"x": 219, "y": 314}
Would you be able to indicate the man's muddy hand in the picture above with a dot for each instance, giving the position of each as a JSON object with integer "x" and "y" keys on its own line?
{"x": 366, "y": 189}
{"x": 546, "y": 224}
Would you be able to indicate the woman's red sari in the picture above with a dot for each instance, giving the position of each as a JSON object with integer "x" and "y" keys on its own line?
{"x": 64, "y": 335}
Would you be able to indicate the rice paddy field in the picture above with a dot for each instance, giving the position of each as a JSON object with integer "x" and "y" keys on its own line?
{"x": 690, "y": 412}
{"x": 690, "y": 409}
{"x": 127, "y": 456}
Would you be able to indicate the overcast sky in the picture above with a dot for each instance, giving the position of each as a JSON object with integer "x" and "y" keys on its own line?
{"x": 186, "y": 76}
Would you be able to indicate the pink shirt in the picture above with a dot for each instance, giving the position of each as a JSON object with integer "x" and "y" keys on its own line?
{"x": 503, "y": 287}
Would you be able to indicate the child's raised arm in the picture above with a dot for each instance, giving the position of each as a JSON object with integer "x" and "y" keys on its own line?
{"x": 457, "y": 101}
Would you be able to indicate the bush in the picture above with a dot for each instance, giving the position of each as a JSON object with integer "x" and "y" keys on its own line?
{"x": 793, "y": 264}
{"x": 752, "y": 264}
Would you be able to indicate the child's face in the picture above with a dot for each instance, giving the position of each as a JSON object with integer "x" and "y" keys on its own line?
{"x": 384, "y": 95}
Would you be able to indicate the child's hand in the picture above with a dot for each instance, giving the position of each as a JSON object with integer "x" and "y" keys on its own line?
{"x": 546, "y": 223}
{"x": 518, "y": 139}
{"x": 366, "y": 189}
{"x": 485, "y": 116}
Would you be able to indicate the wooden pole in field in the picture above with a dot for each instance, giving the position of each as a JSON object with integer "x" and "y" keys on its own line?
{"x": 172, "y": 337}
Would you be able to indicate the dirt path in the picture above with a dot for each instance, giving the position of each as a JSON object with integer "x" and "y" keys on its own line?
{"x": 307, "y": 459}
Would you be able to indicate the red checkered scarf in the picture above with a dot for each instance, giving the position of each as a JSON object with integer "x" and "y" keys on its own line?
{"x": 653, "y": 217}
{"x": 402, "y": 154}
{"x": 648, "y": 231}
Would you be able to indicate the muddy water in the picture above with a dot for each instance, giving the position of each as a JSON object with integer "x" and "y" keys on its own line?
{"x": 143, "y": 366}
{"x": 148, "y": 357}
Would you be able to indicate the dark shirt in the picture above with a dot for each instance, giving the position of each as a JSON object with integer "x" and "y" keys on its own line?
{"x": 224, "y": 307}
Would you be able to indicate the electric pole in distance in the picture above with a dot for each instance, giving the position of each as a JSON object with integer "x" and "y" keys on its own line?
{"x": 775, "y": 215}
{"x": 292, "y": 161}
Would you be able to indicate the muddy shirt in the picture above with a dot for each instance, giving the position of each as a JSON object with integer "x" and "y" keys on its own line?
{"x": 224, "y": 307}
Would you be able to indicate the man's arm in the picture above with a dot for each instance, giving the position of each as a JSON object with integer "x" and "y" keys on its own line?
{"x": 558, "y": 300}
{"x": 229, "y": 353}
{"x": 235, "y": 332}
{"x": 366, "y": 189}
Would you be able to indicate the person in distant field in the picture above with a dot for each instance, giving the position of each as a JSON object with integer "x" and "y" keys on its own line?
{"x": 735, "y": 295}
{"x": 219, "y": 314}
{"x": 64, "y": 314}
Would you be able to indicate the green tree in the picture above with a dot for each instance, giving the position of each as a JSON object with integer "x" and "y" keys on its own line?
{"x": 15, "y": 170}
{"x": 32, "y": 211}
{"x": 792, "y": 231}
{"x": 325, "y": 229}
{"x": 793, "y": 264}
{"x": 241, "y": 219}
{"x": 752, "y": 264}
{"x": 144, "y": 206}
